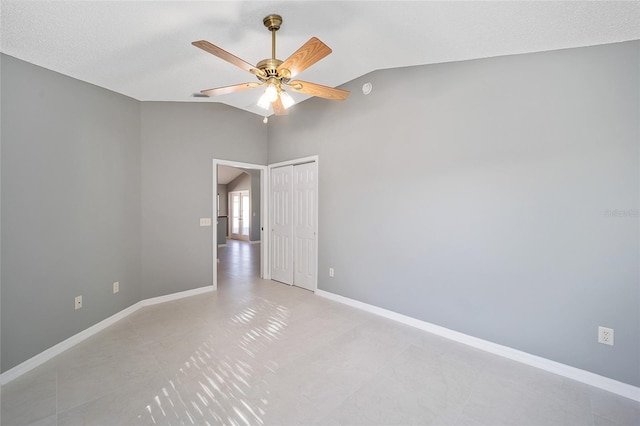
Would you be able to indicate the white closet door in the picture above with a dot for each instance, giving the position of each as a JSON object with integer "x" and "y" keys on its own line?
{"x": 282, "y": 224}
{"x": 304, "y": 225}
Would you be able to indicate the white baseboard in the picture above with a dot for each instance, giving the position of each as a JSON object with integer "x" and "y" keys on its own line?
{"x": 254, "y": 242}
{"x": 222, "y": 245}
{"x": 176, "y": 296}
{"x": 587, "y": 377}
{"x": 57, "y": 349}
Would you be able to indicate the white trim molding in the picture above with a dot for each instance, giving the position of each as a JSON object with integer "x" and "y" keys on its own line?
{"x": 587, "y": 377}
{"x": 57, "y": 349}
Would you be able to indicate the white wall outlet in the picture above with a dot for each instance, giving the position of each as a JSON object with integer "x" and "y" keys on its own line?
{"x": 331, "y": 272}
{"x": 205, "y": 221}
{"x": 605, "y": 335}
{"x": 116, "y": 287}
{"x": 78, "y": 302}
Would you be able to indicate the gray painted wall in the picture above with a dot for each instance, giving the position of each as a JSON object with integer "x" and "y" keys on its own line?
{"x": 74, "y": 216}
{"x": 240, "y": 183}
{"x": 70, "y": 206}
{"x": 223, "y": 193}
{"x": 179, "y": 141}
{"x": 474, "y": 195}
{"x": 256, "y": 233}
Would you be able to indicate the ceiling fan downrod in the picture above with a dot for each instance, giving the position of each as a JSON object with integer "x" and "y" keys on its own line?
{"x": 273, "y": 22}
{"x": 269, "y": 66}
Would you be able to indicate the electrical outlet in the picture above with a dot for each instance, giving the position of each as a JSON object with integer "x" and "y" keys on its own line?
{"x": 331, "y": 272}
{"x": 605, "y": 335}
{"x": 116, "y": 287}
{"x": 78, "y": 302}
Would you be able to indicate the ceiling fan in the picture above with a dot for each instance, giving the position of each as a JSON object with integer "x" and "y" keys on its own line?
{"x": 275, "y": 74}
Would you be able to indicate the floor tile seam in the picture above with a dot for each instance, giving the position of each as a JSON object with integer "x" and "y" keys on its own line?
{"x": 472, "y": 390}
{"x": 139, "y": 337}
{"x": 409, "y": 346}
{"x": 57, "y": 394}
{"x": 114, "y": 392}
{"x": 144, "y": 341}
{"x": 392, "y": 359}
{"x": 101, "y": 395}
{"x": 159, "y": 367}
{"x": 75, "y": 406}
{"x": 310, "y": 352}
{"x": 110, "y": 361}
{"x": 362, "y": 387}
{"x": 591, "y": 413}
{"x": 630, "y": 402}
{"x": 364, "y": 383}
{"x": 37, "y": 419}
{"x": 601, "y": 415}
{"x": 535, "y": 389}
{"x": 338, "y": 336}
{"x": 528, "y": 390}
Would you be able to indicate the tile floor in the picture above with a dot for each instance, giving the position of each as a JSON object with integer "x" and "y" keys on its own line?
{"x": 262, "y": 353}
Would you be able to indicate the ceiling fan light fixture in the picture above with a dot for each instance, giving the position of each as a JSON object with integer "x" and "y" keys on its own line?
{"x": 271, "y": 92}
{"x": 286, "y": 99}
{"x": 264, "y": 102}
{"x": 270, "y": 95}
{"x": 275, "y": 73}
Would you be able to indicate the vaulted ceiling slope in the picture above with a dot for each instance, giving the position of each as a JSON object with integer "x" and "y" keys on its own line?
{"x": 143, "y": 49}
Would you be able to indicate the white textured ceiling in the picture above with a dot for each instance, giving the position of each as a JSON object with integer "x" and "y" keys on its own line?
{"x": 143, "y": 49}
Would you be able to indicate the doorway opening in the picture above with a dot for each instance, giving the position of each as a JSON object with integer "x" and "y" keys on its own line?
{"x": 239, "y": 204}
{"x": 304, "y": 234}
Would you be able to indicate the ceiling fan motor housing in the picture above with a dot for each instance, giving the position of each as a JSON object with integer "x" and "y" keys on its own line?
{"x": 272, "y": 22}
{"x": 270, "y": 67}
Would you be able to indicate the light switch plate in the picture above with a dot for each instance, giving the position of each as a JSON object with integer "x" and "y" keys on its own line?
{"x": 205, "y": 221}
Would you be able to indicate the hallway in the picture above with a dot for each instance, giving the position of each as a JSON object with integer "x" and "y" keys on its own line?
{"x": 238, "y": 260}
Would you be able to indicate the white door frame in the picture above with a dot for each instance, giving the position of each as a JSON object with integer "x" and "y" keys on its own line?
{"x": 311, "y": 159}
{"x": 265, "y": 272}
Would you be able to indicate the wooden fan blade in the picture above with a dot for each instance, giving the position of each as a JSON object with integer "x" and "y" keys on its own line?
{"x": 229, "y": 89}
{"x": 232, "y": 59}
{"x": 307, "y": 55}
{"x": 278, "y": 108}
{"x": 319, "y": 90}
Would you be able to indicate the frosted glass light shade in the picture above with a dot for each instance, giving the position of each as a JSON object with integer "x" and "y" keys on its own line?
{"x": 286, "y": 99}
{"x": 270, "y": 94}
{"x": 263, "y": 102}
